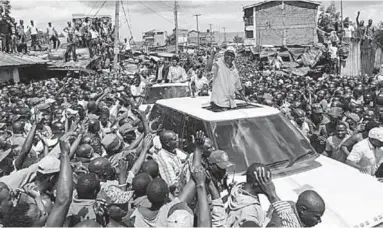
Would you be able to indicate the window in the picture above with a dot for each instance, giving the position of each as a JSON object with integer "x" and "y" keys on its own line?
{"x": 249, "y": 34}
{"x": 191, "y": 126}
{"x": 170, "y": 119}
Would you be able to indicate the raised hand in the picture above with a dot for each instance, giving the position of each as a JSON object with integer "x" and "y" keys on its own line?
{"x": 31, "y": 189}
{"x": 64, "y": 142}
{"x": 199, "y": 175}
{"x": 148, "y": 140}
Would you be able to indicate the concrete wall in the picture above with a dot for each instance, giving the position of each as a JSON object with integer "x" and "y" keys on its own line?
{"x": 285, "y": 23}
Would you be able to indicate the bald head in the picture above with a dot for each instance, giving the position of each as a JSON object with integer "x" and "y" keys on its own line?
{"x": 150, "y": 167}
{"x": 102, "y": 167}
{"x": 311, "y": 207}
{"x": 88, "y": 223}
{"x": 310, "y": 199}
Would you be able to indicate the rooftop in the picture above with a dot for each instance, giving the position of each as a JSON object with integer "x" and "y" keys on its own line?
{"x": 19, "y": 60}
{"x": 267, "y": 1}
{"x": 196, "y": 107}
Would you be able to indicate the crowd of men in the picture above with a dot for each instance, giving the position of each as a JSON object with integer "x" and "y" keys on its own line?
{"x": 78, "y": 152}
{"x": 96, "y": 34}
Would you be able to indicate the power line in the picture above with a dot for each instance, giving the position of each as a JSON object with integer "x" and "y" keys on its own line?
{"x": 156, "y": 12}
{"x": 123, "y": 9}
{"x": 94, "y": 4}
{"x": 99, "y": 9}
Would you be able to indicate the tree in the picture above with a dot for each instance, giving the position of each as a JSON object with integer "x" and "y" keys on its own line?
{"x": 238, "y": 40}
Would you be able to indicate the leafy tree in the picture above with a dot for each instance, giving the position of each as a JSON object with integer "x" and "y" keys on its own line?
{"x": 238, "y": 39}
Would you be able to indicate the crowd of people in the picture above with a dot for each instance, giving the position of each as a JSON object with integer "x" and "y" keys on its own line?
{"x": 77, "y": 151}
{"x": 96, "y": 34}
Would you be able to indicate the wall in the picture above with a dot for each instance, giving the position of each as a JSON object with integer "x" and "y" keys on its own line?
{"x": 6, "y": 74}
{"x": 291, "y": 23}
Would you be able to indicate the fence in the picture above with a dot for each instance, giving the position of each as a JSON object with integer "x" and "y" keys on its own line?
{"x": 363, "y": 57}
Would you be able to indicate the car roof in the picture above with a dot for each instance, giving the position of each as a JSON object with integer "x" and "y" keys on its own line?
{"x": 198, "y": 107}
{"x": 170, "y": 85}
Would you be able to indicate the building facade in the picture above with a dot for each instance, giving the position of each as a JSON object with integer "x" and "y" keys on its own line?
{"x": 281, "y": 23}
{"x": 154, "y": 38}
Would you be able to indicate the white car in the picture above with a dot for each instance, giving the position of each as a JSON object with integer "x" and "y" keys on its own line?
{"x": 164, "y": 91}
{"x": 257, "y": 133}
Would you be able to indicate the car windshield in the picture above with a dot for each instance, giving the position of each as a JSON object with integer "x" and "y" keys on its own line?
{"x": 166, "y": 92}
{"x": 270, "y": 140}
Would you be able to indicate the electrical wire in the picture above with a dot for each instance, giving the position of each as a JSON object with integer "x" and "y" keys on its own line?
{"x": 99, "y": 9}
{"x": 126, "y": 19}
{"x": 156, "y": 12}
{"x": 93, "y": 7}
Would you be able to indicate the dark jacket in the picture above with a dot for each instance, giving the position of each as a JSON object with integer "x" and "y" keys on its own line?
{"x": 165, "y": 71}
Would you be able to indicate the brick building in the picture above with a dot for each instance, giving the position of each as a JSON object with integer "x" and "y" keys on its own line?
{"x": 281, "y": 23}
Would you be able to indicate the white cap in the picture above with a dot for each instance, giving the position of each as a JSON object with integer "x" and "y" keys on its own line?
{"x": 230, "y": 49}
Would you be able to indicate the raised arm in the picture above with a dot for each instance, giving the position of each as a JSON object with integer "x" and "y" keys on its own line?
{"x": 203, "y": 214}
{"x": 64, "y": 188}
{"x": 27, "y": 146}
{"x": 357, "y": 19}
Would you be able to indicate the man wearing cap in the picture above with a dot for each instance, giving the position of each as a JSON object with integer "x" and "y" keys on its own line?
{"x": 226, "y": 81}
{"x": 366, "y": 155}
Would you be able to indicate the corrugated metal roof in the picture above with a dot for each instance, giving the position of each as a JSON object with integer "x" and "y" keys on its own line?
{"x": 18, "y": 60}
{"x": 263, "y": 2}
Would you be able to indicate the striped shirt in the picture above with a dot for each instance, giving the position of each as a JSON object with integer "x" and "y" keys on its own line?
{"x": 169, "y": 165}
{"x": 283, "y": 215}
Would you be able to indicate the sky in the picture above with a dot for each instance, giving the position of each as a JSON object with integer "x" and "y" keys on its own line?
{"x": 146, "y": 15}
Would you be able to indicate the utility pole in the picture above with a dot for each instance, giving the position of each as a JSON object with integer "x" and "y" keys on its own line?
{"x": 116, "y": 34}
{"x": 176, "y": 23}
{"x": 224, "y": 33}
{"x": 196, "y": 16}
{"x": 211, "y": 35}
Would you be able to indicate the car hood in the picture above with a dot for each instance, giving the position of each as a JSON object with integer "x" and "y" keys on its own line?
{"x": 351, "y": 198}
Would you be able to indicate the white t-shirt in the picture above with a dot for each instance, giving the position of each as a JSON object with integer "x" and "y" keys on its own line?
{"x": 51, "y": 31}
{"x": 333, "y": 52}
{"x": 366, "y": 156}
{"x": 33, "y": 30}
{"x": 199, "y": 82}
{"x": 348, "y": 31}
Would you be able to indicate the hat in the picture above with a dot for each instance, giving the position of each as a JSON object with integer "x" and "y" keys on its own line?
{"x": 317, "y": 108}
{"x": 111, "y": 142}
{"x": 220, "y": 158}
{"x": 114, "y": 195}
{"x": 335, "y": 112}
{"x": 180, "y": 215}
{"x": 127, "y": 127}
{"x": 354, "y": 117}
{"x": 49, "y": 165}
{"x": 230, "y": 49}
{"x": 376, "y": 133}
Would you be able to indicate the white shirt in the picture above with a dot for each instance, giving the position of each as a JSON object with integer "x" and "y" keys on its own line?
{"x": 51, "y": 31}
{"x": 177, "y": 74}
{"x": 348, "y": 31}
{"x": 33, "y": 30}
{"x": 93, "y": 33}
{"x": 137, "y": 90}
{"x": 333, "y": 52}
{"x": 366, "y": 156}
{"x": 199, "y": 82}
